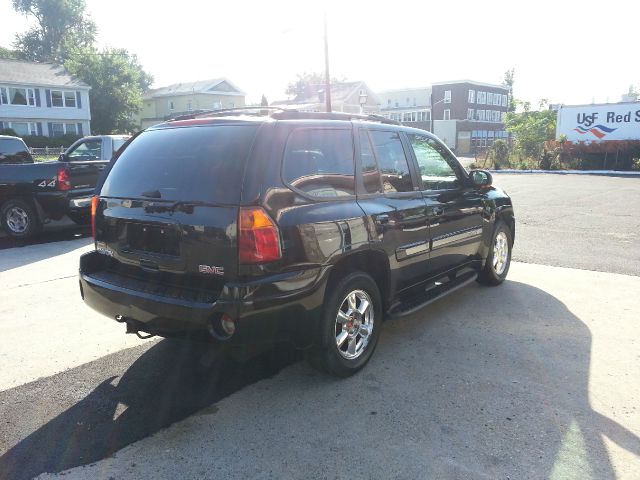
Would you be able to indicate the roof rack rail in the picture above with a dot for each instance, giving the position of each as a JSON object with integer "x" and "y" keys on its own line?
{"x": 285, "y": 114}
{"x": 221, "y": 112}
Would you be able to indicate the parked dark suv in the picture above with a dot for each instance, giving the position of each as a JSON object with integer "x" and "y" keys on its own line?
{"x": 309, "y": 228}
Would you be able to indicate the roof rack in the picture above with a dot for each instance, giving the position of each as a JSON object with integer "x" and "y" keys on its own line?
{"x": 280, "y": 113}
{"x": 296, "y": 114}
{"x": 222, "y": 112}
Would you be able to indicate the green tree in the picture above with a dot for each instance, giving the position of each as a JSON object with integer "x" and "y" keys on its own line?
{"x": 306, "y": 82}
{"x": 117, "y": 83}
{"x": 7, "y": 53}
{"x": 531, "y": 128}
{"x": 508, "y": 82}
{"x": 60, "y": 25}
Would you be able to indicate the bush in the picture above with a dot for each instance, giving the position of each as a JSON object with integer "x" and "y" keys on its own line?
{"x": 8, "y": 131}
{"x": 37, "y": 141}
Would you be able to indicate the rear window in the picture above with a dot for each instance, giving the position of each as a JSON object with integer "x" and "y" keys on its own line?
{"x": 13, "y": 151}
{"x": 320, "y": 162}
{"x": 195, "y": 163}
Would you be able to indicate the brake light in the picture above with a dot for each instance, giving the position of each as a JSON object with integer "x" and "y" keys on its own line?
{"x": 259, "y": 238}
{"x": 64, "y": 179}
{"x": 94, "y": 209}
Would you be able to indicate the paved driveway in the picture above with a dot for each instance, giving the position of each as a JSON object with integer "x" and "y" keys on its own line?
{"x": 537, "y": 378}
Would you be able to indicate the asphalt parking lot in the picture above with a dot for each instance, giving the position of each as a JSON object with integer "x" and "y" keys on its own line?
{"x": 538, "y": 378}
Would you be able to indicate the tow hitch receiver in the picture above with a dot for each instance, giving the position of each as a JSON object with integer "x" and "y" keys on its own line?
{"x": 132, "y": 328}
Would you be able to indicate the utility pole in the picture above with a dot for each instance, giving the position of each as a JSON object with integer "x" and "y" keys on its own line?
{"x": 327, "y": 80}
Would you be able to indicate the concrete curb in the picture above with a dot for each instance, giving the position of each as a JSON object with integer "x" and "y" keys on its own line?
{"x": 610, "y": 173}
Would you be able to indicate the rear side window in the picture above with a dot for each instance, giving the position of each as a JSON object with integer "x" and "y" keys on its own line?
{"x": 320, "y": 162}
{"x": 370, "y": 172}
{"x": 394, "y": 168}
{"x": 14, "y": 151}
{"x": 195, "y": 163}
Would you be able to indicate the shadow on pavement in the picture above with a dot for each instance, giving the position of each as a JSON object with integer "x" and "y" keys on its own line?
{"x": 46, "y": 245}
{"x": 444, "y": 389}
{"x": 170, "y": 381}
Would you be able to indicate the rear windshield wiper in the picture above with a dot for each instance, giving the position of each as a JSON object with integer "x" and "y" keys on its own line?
{"x": 182, "y": 205}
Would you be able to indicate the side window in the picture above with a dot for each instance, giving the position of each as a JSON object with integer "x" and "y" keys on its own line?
{"x": 89, "y": 150}
{"x": 394, "y": 168}
{"x": 320, "y": 162}
{"x": 370, "y": 172}
{"x": 436, "y": 172}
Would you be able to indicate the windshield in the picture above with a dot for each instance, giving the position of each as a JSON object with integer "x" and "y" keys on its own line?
{"x": 197, "y": 163}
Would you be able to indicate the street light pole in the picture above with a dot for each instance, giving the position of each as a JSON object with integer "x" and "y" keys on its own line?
{"x": 327, "y": 80}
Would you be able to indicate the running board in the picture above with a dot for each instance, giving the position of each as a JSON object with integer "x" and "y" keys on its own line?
{"x": 415, "y": 303}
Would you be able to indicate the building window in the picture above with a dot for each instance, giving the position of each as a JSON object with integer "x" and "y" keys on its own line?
{"x": 396, "y": 104}
{"x": 23, "y": 128}
{"x": 60, "y": 129}
{"x": 426, "y": 115}
{"x": 482, "y": 98}
{"x": 504, "y": 100}
{"x": 69, "y": 99}
{"x": 171, "y": 105}
{"x": 61, "y": 98}
{"x": 503, "y": 114}
{"x": 57, "y": 129}
{"x": 489, "y": 98}
{"x": 470, "y": 114}
{"x": 17, "y": 96}
{"x": 414, "y": 101}
{"x": 447, "y": 96}
{"x": 481, "y": 115}
{"x": 389, "y": 102}
{"x": 189, "y": 106}
{"x": 447, "y": 114}
{"x": 472, "y": 96}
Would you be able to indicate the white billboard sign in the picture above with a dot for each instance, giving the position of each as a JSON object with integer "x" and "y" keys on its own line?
{"x": 599, "y": 123}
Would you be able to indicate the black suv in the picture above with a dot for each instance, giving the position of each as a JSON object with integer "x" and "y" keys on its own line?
{"x": 303, "y": 227}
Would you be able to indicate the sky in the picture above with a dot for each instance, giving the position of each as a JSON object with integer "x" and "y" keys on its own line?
{"x": 565, "y": 51}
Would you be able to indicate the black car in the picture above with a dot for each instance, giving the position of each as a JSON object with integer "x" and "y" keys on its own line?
{"x": 301, "y": 227}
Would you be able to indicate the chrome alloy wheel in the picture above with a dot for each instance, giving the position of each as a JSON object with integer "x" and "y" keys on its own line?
{"x": 17, "y": 220}
{"x": 354, "y": 324}
{"x": 500, "y": 253}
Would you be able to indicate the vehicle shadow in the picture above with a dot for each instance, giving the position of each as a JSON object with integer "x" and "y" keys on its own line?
{"x": 170, "y": 381}
{"x": 46, "y": 245}
{"x": 488, "y": 383}
{"x": 62, "y": 231}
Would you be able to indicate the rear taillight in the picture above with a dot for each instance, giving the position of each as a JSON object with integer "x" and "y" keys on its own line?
{"x": 94, "y": 210}
{"x": 258, "y": 237}
{"x": 64, "y": 179}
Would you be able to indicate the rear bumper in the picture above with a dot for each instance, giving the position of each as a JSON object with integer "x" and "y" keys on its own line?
{"x": 282, "y": 307}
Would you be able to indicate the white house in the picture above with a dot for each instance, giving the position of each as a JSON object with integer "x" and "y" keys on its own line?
{"x": 42, "y": 99}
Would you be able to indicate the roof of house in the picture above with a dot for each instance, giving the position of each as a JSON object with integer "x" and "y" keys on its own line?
{"x": 39, "y": 74}
{"x": 340, "y": 91}
{"x": 472, "y": 82}
{"x": 215, "y": 85}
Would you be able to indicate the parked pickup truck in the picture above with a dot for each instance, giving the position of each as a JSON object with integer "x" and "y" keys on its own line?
{"x": 33, "y": 193}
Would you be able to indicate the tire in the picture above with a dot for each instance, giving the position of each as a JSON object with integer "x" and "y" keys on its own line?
{"x": 19, "y": 219}
{"x": 498, "y": 261}
{"x": 348, "y": 328}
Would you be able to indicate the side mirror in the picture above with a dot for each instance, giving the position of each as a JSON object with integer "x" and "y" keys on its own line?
{"x": 481, "y": 178}
{"x": 62, "y": 158}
